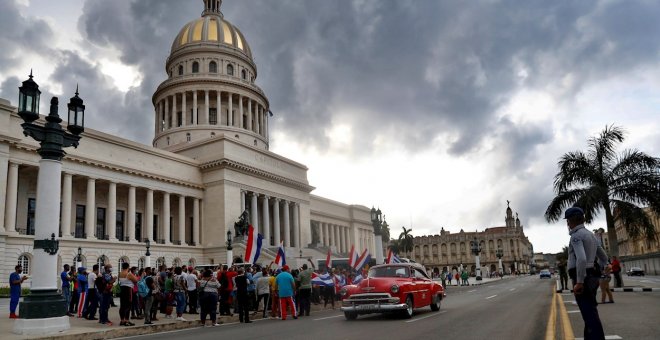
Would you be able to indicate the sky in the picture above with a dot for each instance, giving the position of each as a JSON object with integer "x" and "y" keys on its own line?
{"x": 437, "y": 112}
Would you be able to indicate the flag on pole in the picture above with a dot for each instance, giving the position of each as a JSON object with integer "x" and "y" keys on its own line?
{"x": 362, "y": 260}
{"x": 357, "y": 279}
{"x": 352, "y": 257}
{"x": 391, "y": 257}
{"x": 328, "y": 260}
{"x": 253, "y": 246}
{"x": 280, "y": 259}
{"x": 325, "y": 280}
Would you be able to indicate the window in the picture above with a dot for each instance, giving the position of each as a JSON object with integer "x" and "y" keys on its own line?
{"x": 195, "y": 67}
{"x": 160, "y": 262}
{"x": 155, "y": 228}
{"x": 121, "y": 261}
{"x": 138, "y": 226}
{"x": 191, "y": 263}
{"x": 188, "y": 137}
{"x": 80, "y": 221}
{"x": 176, "y": 262}
{"x": 180, "y": 70}
{"x": 100, "y": 224}
{"x": 119, "y": 227}
{"x": 244, "y": 75}
{"x": 213, "y": 116}
{"x": 168, "y": 140}
{"x": 24, "y": 261}
{"x": 32, "y": 206}
{"x": 171, "y": 229}
{"x": 230, "y": 70}
{"x": 213, "y": 67}
{"x": 179, "y": 119}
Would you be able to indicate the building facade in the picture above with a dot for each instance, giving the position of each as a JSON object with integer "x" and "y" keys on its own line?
{"x": 209, "y": 162}
{"x": 640, "y": 251}
{"x": 448, "y": 251}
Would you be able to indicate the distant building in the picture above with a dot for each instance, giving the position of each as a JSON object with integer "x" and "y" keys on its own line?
{"x": 449, "y": 251}
{"x": 640, "y": 251}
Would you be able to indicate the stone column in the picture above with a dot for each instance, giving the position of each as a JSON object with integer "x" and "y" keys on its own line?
{"x": 337, "y": 239}
{"x": 265, "y": 205}
{"x": 111, "y": 215}
{"x": 341, "y": 239}
{"x": 90, "y": 209}
{"x": 325, "y": 238}
{"x": 254, "y": 212}
{"x": 230, "y": 113}
{"x": 242, "y": 201}
{"x": 157, "y": 119}
{"x": 240, "y": 106}
{"x": 184, "y": 114}
{"x": 166, "y": 217}
{"x": 194, "y": 113}
{"x": 276, "y": 222}
{"x": 206, "y": 106}
{"x": 287, "y": 225}
{"x": 182, "y": 219}
{"x": 296, "y": 225}
{"x": 196, "y": 221}
{"x": 149, "y": 216}
{"x": 266, "y": 116}
{"x": 218, "y": 109}
{"x": 331, "y": 236}
{"x": 67, "y": 185}
{"x": 249, "y": 115}
{"x": 348, "y": 238}
{"x": 131, "y": 215}
{"x": 257, "y": 118}
{"x": 240, "y": 117}
{"x": 12, "y": 198}
{"x": 175, "y": 117}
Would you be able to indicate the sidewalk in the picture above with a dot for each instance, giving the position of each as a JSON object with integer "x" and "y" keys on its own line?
{"x": 630, "y": 284}
{"x": 485, "y": 280}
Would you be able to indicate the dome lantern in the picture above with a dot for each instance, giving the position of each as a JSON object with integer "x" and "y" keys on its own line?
{"x": 212, "y": 7}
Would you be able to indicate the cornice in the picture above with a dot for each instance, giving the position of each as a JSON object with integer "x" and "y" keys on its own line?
{"x": 196, "y": 80}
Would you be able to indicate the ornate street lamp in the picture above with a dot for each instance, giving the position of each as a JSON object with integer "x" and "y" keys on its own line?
{"x": 230, "y": 252}
{"x": 147, "y": 254}
{"x": 44, "y": 301}
{"x": 499, "y": 253}
{"x": 79, "y": 258}
{"x": 377, "y": 222}
{"x": 476, "y": 250}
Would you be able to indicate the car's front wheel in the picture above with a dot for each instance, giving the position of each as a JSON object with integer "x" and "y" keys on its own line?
{"x": 435, "y": 304}
{"x": 408, "y": 312}
{"x": 350, "y": 315}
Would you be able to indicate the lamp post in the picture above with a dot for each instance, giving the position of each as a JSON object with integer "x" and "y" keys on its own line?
{"x": 230, "y": 252}
{"x": 499, "y": 253}
{"x": 377, "y": 223}
{"x": 476, "y": 250}
{"x": 79, "y": 259}
{"x": 44, "y": 310}
{"x": 147, "y": 254}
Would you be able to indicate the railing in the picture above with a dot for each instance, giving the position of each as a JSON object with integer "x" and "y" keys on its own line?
{"x": 103, "y": 237}
{"x": 160, "y": 241}
{"x": 80, "y": 235}
{"x": 177, "y": 242}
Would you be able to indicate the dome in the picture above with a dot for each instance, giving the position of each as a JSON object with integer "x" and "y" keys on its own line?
{"x": 211, "y": 30}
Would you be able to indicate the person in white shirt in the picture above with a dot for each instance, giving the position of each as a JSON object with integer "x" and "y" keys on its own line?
{"x": 192, "y": 284}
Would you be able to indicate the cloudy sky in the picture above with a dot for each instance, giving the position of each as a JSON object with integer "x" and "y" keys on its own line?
{"x": 435, "y": 111}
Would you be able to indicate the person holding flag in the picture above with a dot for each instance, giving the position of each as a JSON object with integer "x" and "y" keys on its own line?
{"x": 328, "y": 259}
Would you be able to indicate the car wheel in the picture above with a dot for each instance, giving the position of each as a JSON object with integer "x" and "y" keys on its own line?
{"x": 435, "y": 304}
{"x": 408, "y": 312}
{"x": 350, "y": 315}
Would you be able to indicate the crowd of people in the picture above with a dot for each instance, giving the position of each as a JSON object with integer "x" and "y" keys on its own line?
{"x": 149, "y": 293}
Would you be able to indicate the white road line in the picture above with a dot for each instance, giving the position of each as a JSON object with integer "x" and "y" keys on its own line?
{"x": 490, "y": 297}
{"x": 573, "y": 311}
{"x": 607, "y": 337}
{"x": 512, "y": 289}
{"x": 470, "y": 291}
{"x": 329, "y": 317}
{"x": 426, "y": 317}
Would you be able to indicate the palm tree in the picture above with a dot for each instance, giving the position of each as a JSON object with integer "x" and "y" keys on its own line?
{"x": 618, "y": 184}
{"x": 406, "y": 240}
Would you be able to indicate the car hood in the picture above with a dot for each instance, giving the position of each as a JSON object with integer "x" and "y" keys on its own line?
{"x": 378, "y": 284}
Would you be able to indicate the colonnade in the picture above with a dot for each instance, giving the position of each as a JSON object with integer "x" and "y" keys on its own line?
{"x": 87, "y": 228}
{"x": 275, "y": 218}
{"x": 333, "y": 235}
{"x": 217, "y": 108}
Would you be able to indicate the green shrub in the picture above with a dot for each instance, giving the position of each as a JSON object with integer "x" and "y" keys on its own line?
{"x": 4, "y": 292}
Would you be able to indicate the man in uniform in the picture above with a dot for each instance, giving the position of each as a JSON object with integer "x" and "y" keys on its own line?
{"x": 583, "y": 250}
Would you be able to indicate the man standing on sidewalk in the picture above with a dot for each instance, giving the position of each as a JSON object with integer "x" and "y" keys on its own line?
{"x": 104, "y": 285}
{"x": 305, "y": 288}
{"x": 616, "y": 270}
{"x": 192, "y": 284}
{"x": 66, "y": 287}
{"x": 583, "y": 250}
{"x": 92, "y": 295}
{"x": 286, "y": 287}
{"x": 243, "y": 301}
{"x": 15, "y": 281}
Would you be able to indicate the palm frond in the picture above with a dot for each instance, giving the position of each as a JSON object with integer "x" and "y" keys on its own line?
{"x": 575, "y": 169}
{"x": 563, "y": 200}
{"x": 634, "y": 219}
{"x": 602, "y": 148}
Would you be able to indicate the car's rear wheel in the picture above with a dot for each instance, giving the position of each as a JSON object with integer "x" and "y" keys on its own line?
{"x": 435, "y": 304}
{"x": 350, "y": 315}
{"x": 408, "y": 312}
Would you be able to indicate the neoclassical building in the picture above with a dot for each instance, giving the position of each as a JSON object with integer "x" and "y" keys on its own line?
{"x": 448, "y": 251}
{"x": 209, "y": 162}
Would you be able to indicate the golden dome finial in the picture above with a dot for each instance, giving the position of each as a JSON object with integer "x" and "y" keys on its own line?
{"x": 212, "y": 7}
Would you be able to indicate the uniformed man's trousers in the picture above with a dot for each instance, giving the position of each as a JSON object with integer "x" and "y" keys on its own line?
{"x": 586, "y": 301}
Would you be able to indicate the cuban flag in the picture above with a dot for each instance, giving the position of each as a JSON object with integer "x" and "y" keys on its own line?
{"x": 253, "y": 246}
{"x": 392, "y": 258}
{"x": 357, "y": 279}
{"x": 280, "y": 259}
{"x": 325, "y": 280}
{"x": 362, "y": 260}
{"x": 328, "y": 260}
{"x": 352, "y": 257}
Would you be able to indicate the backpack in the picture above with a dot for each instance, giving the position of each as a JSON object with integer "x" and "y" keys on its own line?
{"x": 142, "y": 288}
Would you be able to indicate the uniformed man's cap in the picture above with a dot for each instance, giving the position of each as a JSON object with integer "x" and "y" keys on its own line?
{"x": 572, "y": 212}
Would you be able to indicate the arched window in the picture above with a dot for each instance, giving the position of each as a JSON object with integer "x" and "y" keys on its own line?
{"x": 160, "y": 262}
{"x": 24, "y": 261}
{"x": 121, "y": 261}
{"x": 244, "y": 75}
{"x": 176, "y": 262}
{"x": 141, "y": 261}
{"x": 102, "y": 261}
{"x": 230, "y": 70}
{"x": 213, "y": 67}
{"x": 180, "y": 70}
{"x": 195, "y": 67}
{"x": 191, "y": 263}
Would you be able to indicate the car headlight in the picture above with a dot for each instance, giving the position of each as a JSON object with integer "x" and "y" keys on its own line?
{"x": 394, "y": 289}
{"x": 343, "y": 292}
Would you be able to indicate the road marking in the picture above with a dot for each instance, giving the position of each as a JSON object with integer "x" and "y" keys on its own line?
{"x": 490, "y": 297}
{"x": 426, "y": 317}
{"x": 329, "y": 317}
{"x": 573, "y": 311}
{"x": 550, "y": 328}
{"x": 607, "y": 337}
{"x": 512, "y": 289}
{"x": 565, "y": 322}
{"x": 470, "y": 291}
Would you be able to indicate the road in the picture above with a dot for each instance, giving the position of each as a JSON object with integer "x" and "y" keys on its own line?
{"x": 515, "y": 308}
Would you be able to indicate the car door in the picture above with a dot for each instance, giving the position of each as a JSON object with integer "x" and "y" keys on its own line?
{"x": 423, "y": 288}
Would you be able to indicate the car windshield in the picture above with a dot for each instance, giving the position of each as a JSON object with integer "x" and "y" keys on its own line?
{"x": 389, "y": 271}
{"x": 545, "y": 271}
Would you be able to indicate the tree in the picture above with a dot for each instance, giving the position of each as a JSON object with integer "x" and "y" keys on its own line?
{"x": 406, "y": 240}
{"x": 563, "y": 256}
{"x": 618, "y": 184}
{"x": 394, "y": 246}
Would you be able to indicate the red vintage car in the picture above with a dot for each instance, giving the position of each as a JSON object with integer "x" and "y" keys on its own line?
{"x": 399, "y": 287}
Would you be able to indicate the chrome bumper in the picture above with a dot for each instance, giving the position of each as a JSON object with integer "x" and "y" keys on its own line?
{"x": 373, "y": 308}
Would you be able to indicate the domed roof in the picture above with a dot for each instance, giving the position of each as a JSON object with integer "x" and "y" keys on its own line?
{"x": 211, "y": 29}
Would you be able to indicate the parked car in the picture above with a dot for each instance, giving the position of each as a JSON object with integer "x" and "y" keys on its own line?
{"x": 396, "y": 288}
{"x": 545, "y": 273}
{"x": 635, "y": 271}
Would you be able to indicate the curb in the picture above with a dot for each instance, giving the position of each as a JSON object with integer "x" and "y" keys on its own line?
{"x": 636, "y": 289}
{"x": 128, "y": 331}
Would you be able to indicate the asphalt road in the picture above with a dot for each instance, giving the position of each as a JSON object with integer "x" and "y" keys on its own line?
{"x": 515, "y": 308}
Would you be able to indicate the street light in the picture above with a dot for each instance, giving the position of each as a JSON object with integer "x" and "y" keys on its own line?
{"x": 230, "y": 252}
{"x": 499, "y": 253}
{"x": 44, "y": 310}
{"x": 476, "y": 250}
{"x": 79, "y": 259}
{"x": 147, "y": 254}
{"x": 377, "y": 222}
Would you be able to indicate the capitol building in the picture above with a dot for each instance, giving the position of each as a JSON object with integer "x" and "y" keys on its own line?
{"x": 209, "y": 162}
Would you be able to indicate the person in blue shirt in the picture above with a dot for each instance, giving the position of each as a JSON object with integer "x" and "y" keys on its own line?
{"x": 82, "y": 291}
{"x": 15, "y": 281}
{"x": 66, "y": 286}
{"x": 286, "y": 287}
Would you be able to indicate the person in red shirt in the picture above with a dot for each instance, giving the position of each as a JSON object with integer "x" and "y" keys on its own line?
{"x": 616, "y": 270}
